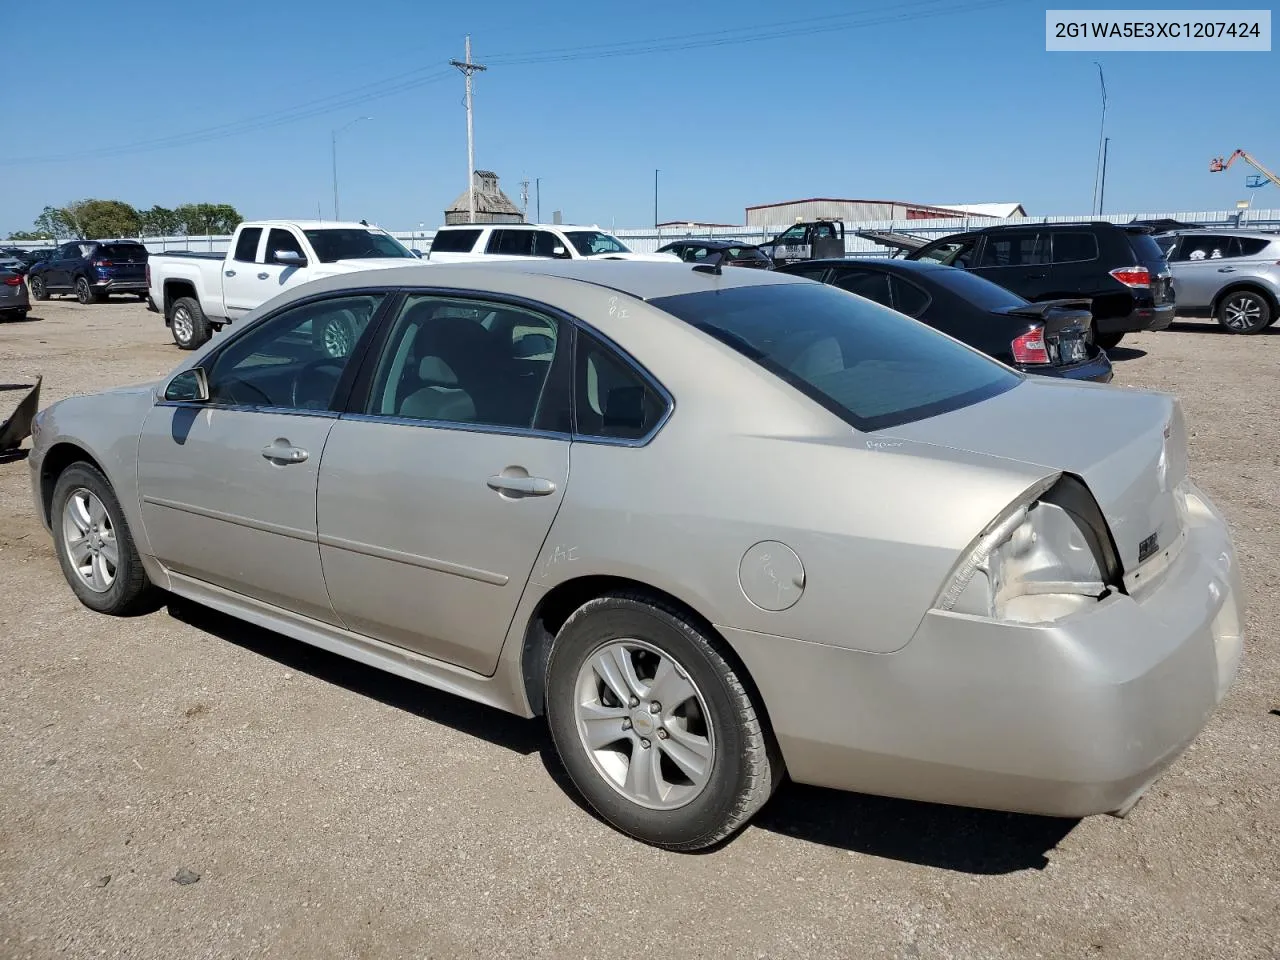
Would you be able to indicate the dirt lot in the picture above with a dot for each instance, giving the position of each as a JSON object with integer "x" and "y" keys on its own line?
{"x": 331, "y": 811}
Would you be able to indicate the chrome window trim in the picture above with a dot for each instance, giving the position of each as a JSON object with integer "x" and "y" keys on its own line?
{"x": 247, "y": 408}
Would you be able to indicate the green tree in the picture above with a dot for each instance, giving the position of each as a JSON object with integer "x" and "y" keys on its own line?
{"x": 104, "y": 219}
{"x": 199, "y": 219}
{"x": 160, "y": 222}
{"x": 31, "y": 235}
{"x": 55, "y": 223}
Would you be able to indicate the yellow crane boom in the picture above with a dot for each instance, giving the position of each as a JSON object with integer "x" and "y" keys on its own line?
{"x": 1219, "y": 165}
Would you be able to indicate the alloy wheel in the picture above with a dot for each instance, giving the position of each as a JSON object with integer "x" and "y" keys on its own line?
{"x": 1242, "y": 313}
{"x": 183, "y": 328}
{"x": 90, "y": 540}
{"x": 337, "y": 338}
{"x": 644, "y": 724}
{"x": 83, "y": 293}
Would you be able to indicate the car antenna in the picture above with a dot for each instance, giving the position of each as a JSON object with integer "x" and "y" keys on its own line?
{"x": 713, "y": 267}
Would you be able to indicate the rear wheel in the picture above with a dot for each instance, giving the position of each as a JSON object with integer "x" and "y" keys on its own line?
{"x": 38, "y": 290}
{"x": 655, "y": 726}
{"x": 1244, "y": 311}
{"x": 95, "y": 546}
{"x": 142, "y": 297}
{"x": 1107, "y": 341}
{"x": 188, "y": 324}
{"x": 85, "y": 292}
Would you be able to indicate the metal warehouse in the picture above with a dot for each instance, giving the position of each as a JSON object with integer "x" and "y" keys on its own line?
{"x": 789, "y": 211}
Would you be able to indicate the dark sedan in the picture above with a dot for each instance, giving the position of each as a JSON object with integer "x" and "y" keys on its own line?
{"x": 1052, "y": 338}
{"x": 732, "y": 253}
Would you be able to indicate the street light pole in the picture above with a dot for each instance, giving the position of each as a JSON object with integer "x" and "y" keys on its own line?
{"x": 655, "y": 199}
{"x": 1102, "y": 189}
{"x": 333, "y": 140}
{"x": 1102, "y": 127}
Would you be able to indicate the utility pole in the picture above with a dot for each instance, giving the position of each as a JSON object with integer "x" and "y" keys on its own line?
{"x": 1102, "y": 127}
{"x": 538, "y": 186}
{"x": 1102, "y": 190}
{"x": 468, "y": 68}
{"x": 333, "y": 139}
{"x": 524, "y": 197}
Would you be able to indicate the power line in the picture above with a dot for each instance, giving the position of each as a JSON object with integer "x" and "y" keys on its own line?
{"x": 399, "y": 83}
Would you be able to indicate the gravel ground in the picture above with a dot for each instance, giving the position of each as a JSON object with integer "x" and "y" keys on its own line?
{"x": 331, "y": 811}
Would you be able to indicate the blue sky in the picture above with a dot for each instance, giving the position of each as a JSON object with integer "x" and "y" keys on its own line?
{"x": 933, "y": 106}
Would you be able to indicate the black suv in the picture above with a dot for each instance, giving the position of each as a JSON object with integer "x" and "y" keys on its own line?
{"x": 1120, "y": 268}
{"x": 92, "y": 270}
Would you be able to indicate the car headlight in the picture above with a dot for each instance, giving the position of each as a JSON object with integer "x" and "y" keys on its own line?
{"x": 1047, "y": 555}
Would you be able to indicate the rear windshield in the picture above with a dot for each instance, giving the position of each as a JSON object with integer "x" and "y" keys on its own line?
{"x": 1145, "y": 248}
{"x": 976, "y": 290}
{"x": 122, "y": 251}
{"x": 868, "y": 364}
{"x": 354, "y": 243}
{"x": 746, "y": 253}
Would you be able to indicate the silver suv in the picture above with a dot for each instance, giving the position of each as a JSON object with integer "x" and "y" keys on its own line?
{"x": 1231, "y": 275}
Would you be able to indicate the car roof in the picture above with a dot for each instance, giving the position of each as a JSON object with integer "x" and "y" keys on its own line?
{"x": 639, "y": 279}
{"x": 1225, "y": 232}
{"x": 717, "y": 242}
{"x": 519, "y": 226}
{"x": 883, "y": 263}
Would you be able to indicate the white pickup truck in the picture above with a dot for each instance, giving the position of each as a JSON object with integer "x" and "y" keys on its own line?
{"x": 200, "y": 292}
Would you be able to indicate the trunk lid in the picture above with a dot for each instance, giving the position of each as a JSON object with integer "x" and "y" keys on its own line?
{"x": 1129, "y": 446}
{"x": 122, "y": 261}
{"x": 1067, "y": 324}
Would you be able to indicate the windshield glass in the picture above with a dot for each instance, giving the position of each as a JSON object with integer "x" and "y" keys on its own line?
{"x": 981, "y": 293}
{"x": 588, "y": 243}
{"x": 869, "y": 365}
{"x": 354, "y": 243}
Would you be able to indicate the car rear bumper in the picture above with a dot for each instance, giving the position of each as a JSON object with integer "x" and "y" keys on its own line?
{"x": 1141, "y": 318}
{"x": 1097, "y": 368}
{"x": 121, "y": 286}
{"x": 1066, "y": 719}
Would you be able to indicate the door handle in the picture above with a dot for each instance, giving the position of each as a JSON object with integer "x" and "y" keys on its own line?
{"x": 263, "y": 276}
{"x": 284, "y": 452}
{"x": 1036, "y": 276}
{"x": 1226, "y": 269}
{"x": 231, "y": 273}
{"x": 524, "y": 486}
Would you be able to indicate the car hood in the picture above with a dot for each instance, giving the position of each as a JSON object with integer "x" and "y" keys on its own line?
{"x": 649, "y": 257}
{"x": 1129, "y": 446}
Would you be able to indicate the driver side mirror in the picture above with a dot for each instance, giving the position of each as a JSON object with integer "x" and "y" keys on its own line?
{"x": 560, "y": 253}
{"x": 190, "y": 386}
{"x": 289, "y": 258}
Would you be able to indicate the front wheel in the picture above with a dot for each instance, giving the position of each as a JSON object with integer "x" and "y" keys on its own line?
{"x": 95, "y": 546}
{"x": 188, "y": 324}
{"x": 1244, "y": 312}
{"x": 38, "y": 290}
{"x": 655, "y": 726}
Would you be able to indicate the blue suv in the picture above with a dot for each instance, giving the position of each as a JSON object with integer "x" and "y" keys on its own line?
{"x": 92, "y": 270}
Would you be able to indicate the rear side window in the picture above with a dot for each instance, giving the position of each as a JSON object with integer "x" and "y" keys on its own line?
{"x": 523, "y": 243}
{"x": 1074, "y": 247}
{"x": 612, "y": 399}
{"x": 247, "y": 245}
{"x": 1145, "y": 249}
{"x": 909, "y": 298}
{"x": 865, "y": 363}
{"x": 454, "y": 241}
{"x": 865, "y": 283}
{"x": 1014, "y": 250}
{"x": 1252, "y": 246}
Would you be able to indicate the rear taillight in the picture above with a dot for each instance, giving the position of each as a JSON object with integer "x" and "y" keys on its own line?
{"x": 102, "y": 263}
{"x": 13, "y": 281}
{"x": 1030, "y": 348}
{"x": 1133, "y": 276}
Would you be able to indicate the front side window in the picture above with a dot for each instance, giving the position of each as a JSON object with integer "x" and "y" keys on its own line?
{"x": 282, "y": 241}
{"x": 457, "y": 360}
{"x": 612, "y": 399}
{"x": 356, "y": 243}
{"x": 865, "y": 363}
{"x": 956, "y": 253}
{"x": 1014, "y": 250}
{"x": 590, "y": 243}
{"x": 294, "y": 359}
{"x": 792, "y": 235}
{"x": 454, "y": 241}
{"x": 247, "y": 244}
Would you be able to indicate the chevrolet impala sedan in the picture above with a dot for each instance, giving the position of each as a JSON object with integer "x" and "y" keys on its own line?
{"x": 717, "y": 527}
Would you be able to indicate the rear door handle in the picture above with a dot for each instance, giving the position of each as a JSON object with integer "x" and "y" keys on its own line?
{"x": 263, "y": 276}
{"x": 1036, "y": 276}
{"x": 283, "y": 452}
{"x": 231, "y": 273}
{"x": 524, "y": 486}
{"x": 1226, "y": 269}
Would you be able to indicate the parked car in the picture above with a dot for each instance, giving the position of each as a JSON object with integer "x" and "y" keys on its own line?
{"x": 1230, "y": 275}
{"x": 1052, "y": 338}
{"x": 92, "y": 270}
{"x": 806, "y": 240}
{"x": 732, "y": 253}
{"x": 473, "y": 242}
{"x": 199, "y": 293}
{"x": 1118, "y": 267}
{"x": 12, "y": 264}
{"x": 718, "y": 527}
{"x": 14, "y": 303}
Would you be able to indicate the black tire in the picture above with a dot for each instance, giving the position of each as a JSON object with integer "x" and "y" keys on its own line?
{"x": 1108, "y": 341}
{"x": 143, "y": 298}
{"x": 745, "y": 767}
{"x": 85, "y": 292}
{"x": 1244, "y": 311}
{"x": 188, "y": 324}
{"x": 37, "y": 288}
{"x": 130, "y": 585}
